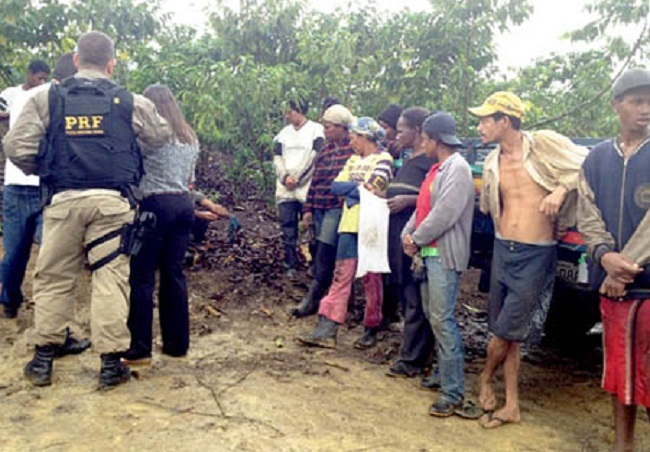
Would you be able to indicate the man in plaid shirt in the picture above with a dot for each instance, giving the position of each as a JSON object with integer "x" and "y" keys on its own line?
{"x": 322, "y": 209}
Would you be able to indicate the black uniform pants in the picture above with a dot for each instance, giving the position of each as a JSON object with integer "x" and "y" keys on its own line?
{"x": 164, "y": 250}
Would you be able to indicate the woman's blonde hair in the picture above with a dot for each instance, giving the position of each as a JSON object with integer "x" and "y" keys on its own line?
{"x": 168, "y": 108}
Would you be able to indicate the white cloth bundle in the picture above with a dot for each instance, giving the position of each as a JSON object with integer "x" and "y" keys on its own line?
{"x": 373, "y": 234}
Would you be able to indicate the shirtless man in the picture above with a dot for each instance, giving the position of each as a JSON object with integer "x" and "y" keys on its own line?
{"x": 526, "y": 180}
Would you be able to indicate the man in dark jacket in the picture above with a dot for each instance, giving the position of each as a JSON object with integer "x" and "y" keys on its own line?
{"x": 614, "y": 220}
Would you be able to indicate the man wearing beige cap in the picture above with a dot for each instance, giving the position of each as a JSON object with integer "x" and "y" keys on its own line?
{"x": 323, "y": 209}
{"x": 529, "y": 188}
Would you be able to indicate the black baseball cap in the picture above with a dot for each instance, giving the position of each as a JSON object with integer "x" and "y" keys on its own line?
{"x": 442, "y": 126}
{"x": 631, "y": 79}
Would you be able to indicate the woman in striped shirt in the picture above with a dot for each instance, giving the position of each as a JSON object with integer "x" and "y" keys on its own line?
{"x": 372, "y": 168}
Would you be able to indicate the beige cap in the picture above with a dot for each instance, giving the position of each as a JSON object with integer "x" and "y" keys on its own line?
{"x": 339, "y": 115}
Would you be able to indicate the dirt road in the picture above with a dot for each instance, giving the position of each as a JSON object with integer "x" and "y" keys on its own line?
{"x": 248, "y": 386}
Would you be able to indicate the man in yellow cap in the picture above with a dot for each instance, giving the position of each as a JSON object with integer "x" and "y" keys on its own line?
{"x": 529, "y": 183}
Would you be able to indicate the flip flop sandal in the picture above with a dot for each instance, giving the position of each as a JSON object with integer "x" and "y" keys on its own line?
{"x": 500, "y": 422}
{"x": 469, "y": 410}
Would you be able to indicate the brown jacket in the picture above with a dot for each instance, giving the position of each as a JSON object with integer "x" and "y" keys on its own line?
{"x": 22, "y": 142}
{"x": 552, "y": 160}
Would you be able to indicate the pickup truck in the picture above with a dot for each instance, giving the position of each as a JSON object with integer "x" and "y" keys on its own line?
{"x": 575, "y": 307}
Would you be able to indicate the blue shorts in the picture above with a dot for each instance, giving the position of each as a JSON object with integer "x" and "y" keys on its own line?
{"x": 520, "y": 273}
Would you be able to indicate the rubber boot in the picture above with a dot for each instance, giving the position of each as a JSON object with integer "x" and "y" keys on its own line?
{"x": 368, "y": 340}
{"x": 309, "y": 305}
{"x": 324, "y": 335}
{"x": 113, "y": 372}
{"x": 39, "y": 369}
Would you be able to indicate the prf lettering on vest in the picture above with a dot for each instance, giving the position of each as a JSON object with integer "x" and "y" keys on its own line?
{"x": 84, "y": 125}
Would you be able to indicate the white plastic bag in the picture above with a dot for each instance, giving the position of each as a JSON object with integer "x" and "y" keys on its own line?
{"x": 373, "y": 234}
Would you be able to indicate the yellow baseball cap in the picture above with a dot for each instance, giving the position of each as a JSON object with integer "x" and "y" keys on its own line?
{"x": 501, "y": 102}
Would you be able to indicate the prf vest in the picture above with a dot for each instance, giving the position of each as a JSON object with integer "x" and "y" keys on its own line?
{"x": 90, "y": 142}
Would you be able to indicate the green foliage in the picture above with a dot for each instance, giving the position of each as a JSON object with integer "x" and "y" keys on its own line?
{"x": 49, "y": 28}
{"x": 572, "y": 92}
{"x": 263, "y": 30}
{"x": 234, "y": 80}
{"x": 556, "y": 84}
{"x": 611, "y": 26}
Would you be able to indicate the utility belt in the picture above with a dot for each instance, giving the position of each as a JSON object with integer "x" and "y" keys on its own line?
{"x": 132, "y": 193}
{"x": 132, "y": 236}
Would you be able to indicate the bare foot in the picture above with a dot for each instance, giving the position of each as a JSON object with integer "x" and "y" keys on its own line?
{"x": 486, "y": 398}
{"x": 500, "y": 418}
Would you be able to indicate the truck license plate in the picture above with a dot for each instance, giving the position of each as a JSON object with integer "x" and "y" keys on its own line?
{"x": 567, "y": 271}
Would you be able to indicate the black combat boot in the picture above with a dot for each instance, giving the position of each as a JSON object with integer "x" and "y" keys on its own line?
{"x": 39, "y": 369}
{"x": 324, "y": 335}
{"x": 71, "y": 346}
{"x": 113, "y": 371}
{"x": 309, "y": 305}
{"x": 368, "y": 340}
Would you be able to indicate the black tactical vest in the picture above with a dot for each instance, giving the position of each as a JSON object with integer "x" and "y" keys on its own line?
{"x": 90, "y": 142}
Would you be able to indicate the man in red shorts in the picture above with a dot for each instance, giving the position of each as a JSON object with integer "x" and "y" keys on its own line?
{"x": 614, "y": 220}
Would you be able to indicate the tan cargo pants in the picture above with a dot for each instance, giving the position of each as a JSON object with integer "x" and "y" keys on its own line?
{"x": 68, "y": 225}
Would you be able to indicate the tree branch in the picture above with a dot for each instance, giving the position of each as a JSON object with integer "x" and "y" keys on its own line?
{"x": 602, "y": 92}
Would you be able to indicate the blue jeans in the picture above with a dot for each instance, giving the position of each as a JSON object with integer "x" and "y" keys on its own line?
{"x": 22, "y": 221}
{"x": 326, "y": 225}
{"x": 439, "y": 295}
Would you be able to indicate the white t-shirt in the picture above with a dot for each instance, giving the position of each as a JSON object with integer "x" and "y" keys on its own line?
{"x": 298, "y": 154}
{"x": 10, "y": 94}
{"x": 16, "y": 101}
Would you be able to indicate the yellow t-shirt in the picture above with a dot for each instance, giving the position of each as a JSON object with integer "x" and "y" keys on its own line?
{"x": 375, "y": 169}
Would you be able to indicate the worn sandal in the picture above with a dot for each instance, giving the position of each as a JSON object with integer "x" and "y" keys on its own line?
{"x": 469, "y": 410}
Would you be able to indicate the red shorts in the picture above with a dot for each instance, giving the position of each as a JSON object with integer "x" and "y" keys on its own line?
{"x": 626, "y": 341}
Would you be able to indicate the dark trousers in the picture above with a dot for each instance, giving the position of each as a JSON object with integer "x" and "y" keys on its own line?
{"x": 164, "y": 250}
{"x": 290, "y": 213}
{"x": 21, "y": 222}
{"x": 418, "y": 338}
{"x": 323, "y": 269}
{"x": 324, "y": 263}
{"x": 392, "y": 305}
{"x": 199, "y": 230}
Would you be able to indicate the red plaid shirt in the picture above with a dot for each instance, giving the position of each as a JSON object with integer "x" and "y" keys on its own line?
{"x": 328, "y": 164}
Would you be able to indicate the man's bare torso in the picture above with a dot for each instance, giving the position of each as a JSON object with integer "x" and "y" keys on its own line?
{"x": 521, "y": 197}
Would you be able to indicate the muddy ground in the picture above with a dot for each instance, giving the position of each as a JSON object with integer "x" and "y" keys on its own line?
{"x": 248, "y": 386}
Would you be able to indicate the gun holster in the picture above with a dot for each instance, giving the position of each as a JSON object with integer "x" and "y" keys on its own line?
{"x": 132, "y": 235}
